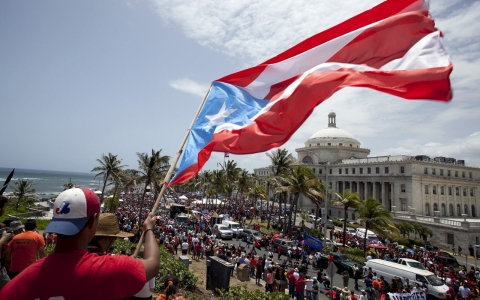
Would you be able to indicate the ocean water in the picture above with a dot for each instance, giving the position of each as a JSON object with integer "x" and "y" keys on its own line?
{"x": 50, "y": 183}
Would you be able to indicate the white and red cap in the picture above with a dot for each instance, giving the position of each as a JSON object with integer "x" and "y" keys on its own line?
{"x": 71, "y": 211}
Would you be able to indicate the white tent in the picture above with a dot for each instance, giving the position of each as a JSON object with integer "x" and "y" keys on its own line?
{"x": 205, "y": 201}
{"x": 183, "y": 197}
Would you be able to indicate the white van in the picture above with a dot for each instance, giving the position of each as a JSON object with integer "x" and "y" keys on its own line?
{"x": 389, "y": 270}
{"x": 233, "y": 226}
{"x": 370, "y": 234}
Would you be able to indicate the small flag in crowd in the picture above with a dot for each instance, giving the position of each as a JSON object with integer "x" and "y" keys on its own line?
{"x": 227, "y": 155}
{"x": 392, "y": 48}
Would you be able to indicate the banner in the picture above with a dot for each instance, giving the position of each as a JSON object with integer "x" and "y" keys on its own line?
{"x": 414, "y": 295}
{"x": 312, "y": 242}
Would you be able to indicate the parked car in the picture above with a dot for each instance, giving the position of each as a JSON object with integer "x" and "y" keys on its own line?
{"x": 351, "y": 231}
{"x": 253, "y": 234}
{"x": 284, "y": 244}
{"x": 411, "y": 263}
{"x": 343, "y": 262}
{"x": 222, "y": 231}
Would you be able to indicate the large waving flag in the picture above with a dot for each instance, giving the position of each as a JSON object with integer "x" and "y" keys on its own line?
{"x": 393, "y": 48}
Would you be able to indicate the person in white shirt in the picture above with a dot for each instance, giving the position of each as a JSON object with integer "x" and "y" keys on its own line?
{"x": 464, "y": 290}
{"x": 308, "y": 286}
{"x": 184, "y": 248}
{"x": 296, "y": 273}
{"x": 363, "y": 295}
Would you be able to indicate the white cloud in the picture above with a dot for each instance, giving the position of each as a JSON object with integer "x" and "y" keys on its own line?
{"x": 252, "y": 31}
{"x": 189, "y": 86}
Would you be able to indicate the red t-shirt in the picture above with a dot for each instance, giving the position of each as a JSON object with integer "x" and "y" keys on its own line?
{"x": 300, "y": 284}
{"x": 78, "y": 275}
{"x": 24, "y": 247}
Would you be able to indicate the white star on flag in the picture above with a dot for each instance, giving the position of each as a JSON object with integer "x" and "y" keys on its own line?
{"x": 220, "y": 116}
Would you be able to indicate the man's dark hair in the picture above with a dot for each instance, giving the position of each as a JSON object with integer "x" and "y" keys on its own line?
{"x": 30, "y": 225}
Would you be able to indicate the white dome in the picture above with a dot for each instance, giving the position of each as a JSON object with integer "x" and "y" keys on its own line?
{"x": 332, "y": 133}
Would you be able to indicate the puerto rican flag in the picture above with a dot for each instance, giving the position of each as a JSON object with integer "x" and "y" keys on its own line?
{"x": 393, "y": 48}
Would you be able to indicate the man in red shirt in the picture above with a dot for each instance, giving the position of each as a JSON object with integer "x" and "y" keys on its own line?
{"x": 300, "y": 287}
{"x": 71, "y": 272}
{"x": 24, "y": 248}
{"x": 291, "y": 283}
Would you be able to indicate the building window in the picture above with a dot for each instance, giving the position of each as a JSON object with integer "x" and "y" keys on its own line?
{"x": 471, "y": 192}
{"x": 449, "y": 173}
{"x": 450, "y": 210}
{"x": 361, "y": 170}
{"x": 340, "y": 144}
{"x": 435, "y": 207}
{"x": 427, "y": 209}
{"x": 450, "y": 239}
{"x": 441, "y": 172}
{"x": 346, "y": 170}
{"x": 340, "y": 171}
{"x": 402, "y": 169}
{"x": 449, "y": 190}
{"x": 402, "y": 188}
{"x": 369, "y": 170}
{"x": 464, "y": 192}
{"x": 351, "y": 145}
{"x": 320, "y": 171}
{"x": 387, "y": 170}
{"x": 456, "y": 173}
{"x": 377, "y": 170}
{"x": 404, "y": 204}
{"x": 442, "y": 190}
{"x": 353, "y": 216}
{"x": 434, "y": 189}
{"x": 330, "y": 186}
{"x": 318, "y": 144}
{"x": 353, "y": 170}
{"x": 313, "y": 169}
{"x": 474, "y": 212}
{"x": 329, "y": 144}
{"x": 426, "y": 189}
{"x": 465, "y": 209}
{"x": 459, "y": 210}
{"x": 425, "y": 171}
{"x": 470, "y": 175}
{"x": 463, "y": 174}
{"x": 433, "y": 171}
{"x": 457, "y": 191}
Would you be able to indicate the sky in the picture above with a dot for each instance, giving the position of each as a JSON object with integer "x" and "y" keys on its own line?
{"x": 79, "y": 79}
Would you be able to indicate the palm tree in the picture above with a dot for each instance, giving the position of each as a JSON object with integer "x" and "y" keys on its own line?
{"x": 109, "y": 167}
{"x": 376, "y": 217}
{"x": 69, "y": 185}
{"x": 245, "y": 182}
{"x": 150, "y": 167}
{"x": 23, "y": 190}
{"x": 218, "y": 182}
{"x": 417, "y": 228}
{"x": 257, "y": 192}
{"x": 301, "y": 180}
{"x": 425, "y": 232}
{"x": 404, "y": 228}
{"x": 347, "y": 199}
{"x": 231, "y": 175}
{"x": 318, "y": 198}
{"x": 281, "y": 162}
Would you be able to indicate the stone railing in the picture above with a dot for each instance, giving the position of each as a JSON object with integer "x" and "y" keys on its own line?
{"x": 436, "y": 220}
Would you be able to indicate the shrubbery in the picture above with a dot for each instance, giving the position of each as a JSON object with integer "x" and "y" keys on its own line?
{"x": 241, "y": 293}
{"x": 168, "y": 266}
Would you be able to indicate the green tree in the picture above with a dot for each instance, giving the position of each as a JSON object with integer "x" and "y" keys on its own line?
{"x": 68, "y": 185}
{"x": 257, "y": 192}
{"x": 301, "y": 180}
{"x": 281, "y": 163}
{"x": 150, "y": 167}
{"x": 112, "y": 203}
{"x": 404, "y": 228}
{"x": 109, "y": 167}
{"x": 245, "y": 182}
{"x": 24, "y": 191}
{"x": 375, "y": 216}
{"x": 347, "y": 199}
{"x": 231, "y": 176}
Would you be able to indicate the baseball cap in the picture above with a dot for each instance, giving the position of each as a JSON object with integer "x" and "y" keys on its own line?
{"x": 71, "y": 211}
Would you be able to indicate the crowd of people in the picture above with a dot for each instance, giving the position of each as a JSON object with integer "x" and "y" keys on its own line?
{"x": 88, "y": 232}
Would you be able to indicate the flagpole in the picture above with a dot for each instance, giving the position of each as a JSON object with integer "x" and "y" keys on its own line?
{"x": 172, "y": 168}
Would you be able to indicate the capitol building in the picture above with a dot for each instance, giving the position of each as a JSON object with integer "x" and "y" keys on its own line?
{"x": 440, "y": 192}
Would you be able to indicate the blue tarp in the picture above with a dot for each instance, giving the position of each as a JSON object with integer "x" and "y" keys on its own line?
{"x": 312, "y": 242}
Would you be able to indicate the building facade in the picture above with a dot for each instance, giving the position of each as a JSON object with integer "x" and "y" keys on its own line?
{"x": 441, "y": 187}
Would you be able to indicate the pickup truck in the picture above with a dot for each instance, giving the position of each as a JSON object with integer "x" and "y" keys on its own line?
{"x": 341, "y": 261}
